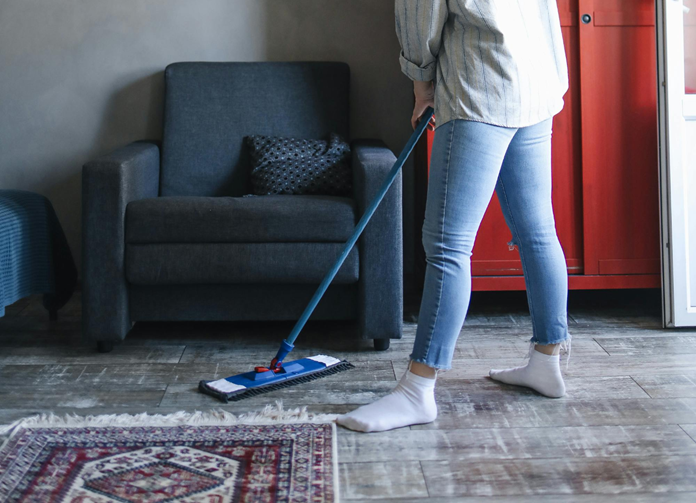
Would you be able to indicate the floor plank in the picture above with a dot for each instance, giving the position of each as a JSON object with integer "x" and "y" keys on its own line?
{"x": 393, "y": 479}
{"x": 219, "y": 353}
{"x": 577, "y": 388}
{"x": 667, "y": 386}
{"x": 642, "y": 346}
{"x": 86, "y": 355}
{"x": 314, "y": 393}
{"x": 515, "y": 348}
{"x": 544, "y": 412}
{"x": 525, "y": 477}
{"x": 518, "y": 443}
{"x": 578, "y": 366}
{"x": 130, "y": 374}
{"x": 81, "y": 397}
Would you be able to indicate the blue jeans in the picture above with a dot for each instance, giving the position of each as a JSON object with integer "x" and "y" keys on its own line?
{"x": 469, "y": 160}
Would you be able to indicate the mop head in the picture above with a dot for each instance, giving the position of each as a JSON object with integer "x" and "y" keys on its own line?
{"x": 239, "y": 387}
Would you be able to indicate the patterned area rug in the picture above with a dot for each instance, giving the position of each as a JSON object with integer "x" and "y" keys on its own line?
{"x": 272, "y": 456}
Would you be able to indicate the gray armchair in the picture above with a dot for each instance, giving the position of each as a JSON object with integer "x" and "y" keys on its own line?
{"x": 167, "y": 235}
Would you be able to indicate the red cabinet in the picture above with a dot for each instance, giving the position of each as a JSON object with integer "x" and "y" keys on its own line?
{"x": 605, "y": 173}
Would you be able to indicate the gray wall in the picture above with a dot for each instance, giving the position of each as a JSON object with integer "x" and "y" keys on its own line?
{"x": 81, "y": 77}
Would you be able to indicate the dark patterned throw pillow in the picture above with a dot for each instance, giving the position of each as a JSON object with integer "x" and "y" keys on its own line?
{"x": 281, "y": 165}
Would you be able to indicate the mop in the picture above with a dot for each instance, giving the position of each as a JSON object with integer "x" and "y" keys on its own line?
{"x": 278, "y": 375}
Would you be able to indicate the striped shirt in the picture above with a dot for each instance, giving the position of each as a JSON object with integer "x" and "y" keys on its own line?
{"x": 497, "y": 61}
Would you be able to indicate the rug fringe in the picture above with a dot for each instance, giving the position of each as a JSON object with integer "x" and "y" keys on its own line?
{"x": 270, "y": 414}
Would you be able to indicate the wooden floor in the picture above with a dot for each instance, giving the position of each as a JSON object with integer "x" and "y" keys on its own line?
{"x": 625, "y": 432}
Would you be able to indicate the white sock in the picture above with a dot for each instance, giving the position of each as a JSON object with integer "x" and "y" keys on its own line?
{"x": 411, "y": 402}
{"x": 542, "y": 373}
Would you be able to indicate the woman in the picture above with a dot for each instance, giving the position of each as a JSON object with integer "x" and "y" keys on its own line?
{"x": 495, "y": 72}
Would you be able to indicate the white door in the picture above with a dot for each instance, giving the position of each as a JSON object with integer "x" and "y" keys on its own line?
{"x": 676, "y": 41}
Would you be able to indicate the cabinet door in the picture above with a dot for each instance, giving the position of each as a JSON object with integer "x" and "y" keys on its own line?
{"x": 491, "y": 255}
{"x": 619, "y": 136}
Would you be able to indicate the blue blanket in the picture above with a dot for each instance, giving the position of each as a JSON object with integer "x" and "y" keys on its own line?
{"x": 34, "y": 254}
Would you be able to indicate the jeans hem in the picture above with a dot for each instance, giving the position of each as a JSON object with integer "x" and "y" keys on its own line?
{"x": 430, "y": 364}
{"x": 568, "y": 337}
{"x": 549, "y": 343}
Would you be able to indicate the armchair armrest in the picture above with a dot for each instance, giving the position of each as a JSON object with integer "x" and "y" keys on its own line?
{"x": 109, "y": 183}
{"x": 380, "y": 305}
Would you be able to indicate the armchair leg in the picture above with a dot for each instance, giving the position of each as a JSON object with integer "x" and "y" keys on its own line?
{"x": 381, "y": 344}
{"x": 105, "y": 346}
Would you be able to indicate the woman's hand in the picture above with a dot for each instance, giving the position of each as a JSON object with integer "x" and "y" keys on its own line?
{"x": 425, "y": 97}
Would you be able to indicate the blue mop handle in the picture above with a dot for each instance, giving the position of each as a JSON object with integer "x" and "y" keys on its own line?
{"x": 287, "y": 344}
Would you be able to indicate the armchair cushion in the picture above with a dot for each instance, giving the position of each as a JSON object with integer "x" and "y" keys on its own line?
{"x": 281, "y": 165}
{"x": 263, "y": 219}
{"x": 235, "y": 263}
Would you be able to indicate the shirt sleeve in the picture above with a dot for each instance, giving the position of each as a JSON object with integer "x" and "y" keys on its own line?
{"x": 419, "y": 27}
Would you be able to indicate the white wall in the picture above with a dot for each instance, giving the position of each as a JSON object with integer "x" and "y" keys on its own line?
{"x": 81, "y": 77}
